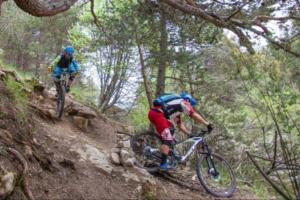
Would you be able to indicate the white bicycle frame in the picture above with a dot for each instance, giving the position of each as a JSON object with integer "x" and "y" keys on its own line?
{"x": 196, "y": 141}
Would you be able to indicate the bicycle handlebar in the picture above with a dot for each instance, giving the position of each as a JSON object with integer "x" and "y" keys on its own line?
{"x": 201, "y": 133}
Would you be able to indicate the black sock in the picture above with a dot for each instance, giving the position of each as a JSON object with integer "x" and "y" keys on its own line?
{"x": 164, "y": 158}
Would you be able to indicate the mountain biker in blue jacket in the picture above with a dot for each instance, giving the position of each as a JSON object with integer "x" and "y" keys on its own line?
{"x": 65, "y": 61}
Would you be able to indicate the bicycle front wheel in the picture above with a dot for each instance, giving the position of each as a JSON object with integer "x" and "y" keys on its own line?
{"x": 61, "y": 101}
{"x": 215, "y": 175}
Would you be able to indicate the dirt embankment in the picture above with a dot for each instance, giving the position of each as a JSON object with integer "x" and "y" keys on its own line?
{"x": 69, "y": 158}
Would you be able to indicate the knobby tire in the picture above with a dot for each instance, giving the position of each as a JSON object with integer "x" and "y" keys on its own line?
{"x": 61, "y": 101}
{"x": 204, "y": 159}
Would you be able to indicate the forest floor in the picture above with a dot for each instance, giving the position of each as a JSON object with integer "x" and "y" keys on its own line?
{"x": 76, "y": 163}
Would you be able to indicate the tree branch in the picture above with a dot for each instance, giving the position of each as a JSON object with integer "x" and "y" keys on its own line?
{"x": 96, "y": 20}
{"x": 41, "y": 8}
{"x": 235, "y": 25}
{"x": 238, "y": 10}
{"x": 263, "y": 18}
{"x": 277, "y": 189}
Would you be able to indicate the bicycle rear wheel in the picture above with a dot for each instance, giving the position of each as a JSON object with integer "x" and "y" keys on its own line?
{"x": 143, "y": 142}
{"x": 61, "y": 100}
{"x": 219, "y": 180}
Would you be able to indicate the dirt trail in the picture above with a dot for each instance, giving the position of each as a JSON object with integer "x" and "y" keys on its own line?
{"x": 79, "y": 168}
{"x": 89, "y": 155}
{"x": 93, "y": 176}
{"x": 77, "y": 141}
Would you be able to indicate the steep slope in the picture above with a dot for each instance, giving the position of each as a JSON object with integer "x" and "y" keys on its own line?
{"x": 69, "y": 158}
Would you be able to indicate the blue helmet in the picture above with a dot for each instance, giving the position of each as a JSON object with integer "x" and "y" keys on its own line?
{"x": 70, "y": 50}
{"x": 189, "y": 98}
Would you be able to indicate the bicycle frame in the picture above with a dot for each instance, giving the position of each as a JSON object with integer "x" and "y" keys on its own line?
{"x": 63, "y": 78}
{"x": 196, "y": 141}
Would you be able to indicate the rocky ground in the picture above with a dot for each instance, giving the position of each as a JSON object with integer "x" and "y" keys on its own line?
{"x": 81, "y": 156}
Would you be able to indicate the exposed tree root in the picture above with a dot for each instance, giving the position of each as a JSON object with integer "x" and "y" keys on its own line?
{"x": 24, "y": 173}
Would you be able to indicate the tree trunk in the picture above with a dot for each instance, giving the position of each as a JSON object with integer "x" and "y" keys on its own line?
{"x": 41, "y": 8}
{"x": 144, "y": 75}
{"x": 1, "y": 1}
{"x": 25, "y": 63}
{"x": 163, "y": 44}
{"x": 189, "y": 74}
{"x": 37, "y": 65}
{"x": 19, "y": 60}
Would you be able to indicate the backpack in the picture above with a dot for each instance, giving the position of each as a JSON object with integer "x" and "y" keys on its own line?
{"x": 163, "y": 100}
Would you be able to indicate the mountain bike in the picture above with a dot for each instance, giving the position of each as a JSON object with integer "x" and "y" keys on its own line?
{"x": 61, "y": 94}
{"x": 213, "y": 171}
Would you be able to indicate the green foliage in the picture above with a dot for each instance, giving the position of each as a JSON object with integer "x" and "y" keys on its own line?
{"x": 20, "y": 97}
{"x": 79, "y": 40}
{"x": 250, "y": 179}
{"x": 20, "y": 73}
{"x": 139, "y": 115}
{"x": 85, "y": 94}
{"x": 260, "y": 189}
{"x": 29, "y": 42}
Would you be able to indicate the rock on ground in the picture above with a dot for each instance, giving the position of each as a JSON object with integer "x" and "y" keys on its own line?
{"x": 115, "y": 158}
{"x": 81, "y": 122}
{"x": 6, "y": 184}
{"x": 78, "y": 109}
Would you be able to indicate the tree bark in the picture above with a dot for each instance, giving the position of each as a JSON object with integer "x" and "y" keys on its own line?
{"x": 41, "y": 8}
{"x": 144, "y": 75}
{"x": 1, "y": 1}
{"x": 163, "y": 45}
{"x": 19, "y": 60}
{"x": 37, "y": 65}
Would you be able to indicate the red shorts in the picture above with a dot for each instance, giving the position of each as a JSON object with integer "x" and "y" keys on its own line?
{"x": 161, "y": 124}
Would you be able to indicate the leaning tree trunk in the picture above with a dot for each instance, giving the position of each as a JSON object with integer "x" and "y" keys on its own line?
{"x": 163, "y": 45}
{"x": 146, "y": 81}
{"x": 41, "y": 8}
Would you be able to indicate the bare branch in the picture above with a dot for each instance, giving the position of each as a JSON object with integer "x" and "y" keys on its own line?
{"x": 286, "y": 196}
{"x": 263, "y": 18}
{"x": 271, "y": 40}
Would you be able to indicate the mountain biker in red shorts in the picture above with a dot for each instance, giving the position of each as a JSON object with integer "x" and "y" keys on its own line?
{"x": 165, "y": 116}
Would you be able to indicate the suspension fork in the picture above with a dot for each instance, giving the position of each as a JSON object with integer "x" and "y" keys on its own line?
{"x": 205, "y": 147}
